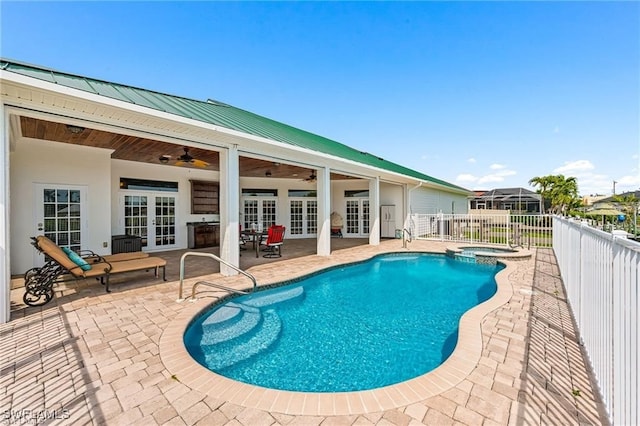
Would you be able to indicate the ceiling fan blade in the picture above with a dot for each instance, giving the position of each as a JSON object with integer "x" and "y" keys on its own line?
{"x": 180, "y": 163}
{"x": 199, "y": 163}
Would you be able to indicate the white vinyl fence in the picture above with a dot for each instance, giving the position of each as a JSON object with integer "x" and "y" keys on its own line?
{"x": 600, "y": 273}
{"x": 515, "y": 230}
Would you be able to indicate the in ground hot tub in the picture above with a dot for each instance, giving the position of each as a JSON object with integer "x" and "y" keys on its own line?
{"x": 486, "y": 254}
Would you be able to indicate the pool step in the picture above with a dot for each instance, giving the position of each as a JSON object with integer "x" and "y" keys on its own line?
{"x": 258, "y": 300}
{"x": 219, "y": 356}
{"x": 220, "y": 332}
{"x": 225, "y": 315}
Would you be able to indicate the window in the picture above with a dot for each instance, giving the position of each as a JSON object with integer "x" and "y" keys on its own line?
{"x": 148, "y": 185}
{"x": 303, "y": 193}
{"x": 362, "y": 193}
{"x": 259, "y": 192}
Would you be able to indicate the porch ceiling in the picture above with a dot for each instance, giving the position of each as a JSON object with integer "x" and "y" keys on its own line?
{"x": 145, "y": 150}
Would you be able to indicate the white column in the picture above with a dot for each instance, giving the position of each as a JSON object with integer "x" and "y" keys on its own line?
{"x": 229, "y": 209}
{"x": 5, "y": 273}
{"x": 374, "y": 211}
{"x": 323, "y": 188}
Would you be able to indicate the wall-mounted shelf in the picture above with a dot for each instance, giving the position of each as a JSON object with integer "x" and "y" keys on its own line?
{"x": 205, "y": 197}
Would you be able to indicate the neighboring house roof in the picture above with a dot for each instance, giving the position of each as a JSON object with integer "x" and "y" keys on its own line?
{"x": 219, "y": 114}
{"x": 506, "y": 194}
{"x": 624, "y": 194}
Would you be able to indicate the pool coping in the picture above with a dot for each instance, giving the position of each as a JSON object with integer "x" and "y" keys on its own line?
{"x": 454, "y": 370}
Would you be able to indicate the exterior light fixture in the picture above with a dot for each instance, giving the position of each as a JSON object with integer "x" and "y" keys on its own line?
{"x": 268, "y": 173}
{"x": 76, "y": 130}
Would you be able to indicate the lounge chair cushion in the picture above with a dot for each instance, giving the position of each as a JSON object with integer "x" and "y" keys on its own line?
{"x": 119, "y": 257}
{"x": 52, "y": 250}
{"x": 137, "y": 264}
{"x": 75, "y": 258}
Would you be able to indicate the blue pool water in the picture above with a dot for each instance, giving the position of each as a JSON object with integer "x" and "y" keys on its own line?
{"x": 357, "y": 327}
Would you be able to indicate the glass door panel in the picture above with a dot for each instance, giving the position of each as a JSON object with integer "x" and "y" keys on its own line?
{"x": 312, "y": 217}
{"x": 268, "y": 213}
{"x": 61, "y": 216}
{"x": 151, "y": 217}
{"x": 259, "y": 212}
{"x": 352, "y": 221}
{"x": 357, "y": 222}
{"x": 303, "y": 217}
{"x": 296, "y": 217}
{"x": 165, "y": 221}
{"x": 250, "y": 214}
{"x": 365, "y": 217}
{"x": 135, "y": 216}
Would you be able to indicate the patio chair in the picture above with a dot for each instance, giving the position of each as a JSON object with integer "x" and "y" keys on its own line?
{"x": 274, "y": 241}
{"x": 64, "y": 265}
{"x": 242, "y": 240}
{"x": 336, "y": 225}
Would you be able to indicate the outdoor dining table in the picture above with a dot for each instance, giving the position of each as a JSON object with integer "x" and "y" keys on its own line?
{"x": 256, "y": 237}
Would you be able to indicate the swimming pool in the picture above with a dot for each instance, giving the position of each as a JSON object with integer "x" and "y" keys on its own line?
{"x": 357, "y": 327}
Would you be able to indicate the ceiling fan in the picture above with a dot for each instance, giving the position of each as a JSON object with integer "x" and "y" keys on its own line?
{"x": 312, "y": 177}
{"x": 184, "y": 159}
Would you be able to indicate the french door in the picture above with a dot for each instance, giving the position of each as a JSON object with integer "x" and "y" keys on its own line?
{"x": 151, "y": 216}
{"x": 303, "y": 217}
{"x": 259, "y": 212}
{"x": 61, "y": 216}
{"x": 357, "y": 220}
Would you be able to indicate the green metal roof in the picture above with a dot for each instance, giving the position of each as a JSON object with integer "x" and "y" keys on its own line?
{"x": 218, "y": 114}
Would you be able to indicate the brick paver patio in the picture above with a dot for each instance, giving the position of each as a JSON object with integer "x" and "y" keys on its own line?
{"x": 94, "y": 358}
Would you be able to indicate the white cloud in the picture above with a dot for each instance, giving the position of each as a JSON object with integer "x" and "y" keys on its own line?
{"x": 499, "y": 175}
{"x": 634, "y": 157}
{"x": 628, "y": 183}
{"x": 503, "y": 173}
{"x": 590, "y": 182}
{"x": 466, "y": 178}
{"x": 574, "y": 167}
{"x": 471, "y": 160}
{"x": 491, "y": 178}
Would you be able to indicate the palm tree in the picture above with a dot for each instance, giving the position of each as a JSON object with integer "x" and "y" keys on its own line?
{"x": 544, "y": 183}
{"x": 559, "y": 192}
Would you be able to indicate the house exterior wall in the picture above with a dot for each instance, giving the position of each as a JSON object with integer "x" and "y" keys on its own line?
{"x": 284, "y": 185}
{"x": 132, "y": 169}
{"x": 431, "y": 201}
{"x": 36, "y": 162}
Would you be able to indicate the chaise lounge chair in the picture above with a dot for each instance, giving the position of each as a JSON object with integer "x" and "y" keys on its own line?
{"x": 65, "y": 265}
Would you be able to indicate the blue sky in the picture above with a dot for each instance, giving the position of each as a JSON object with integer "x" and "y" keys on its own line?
{"x": 481, "y": 94}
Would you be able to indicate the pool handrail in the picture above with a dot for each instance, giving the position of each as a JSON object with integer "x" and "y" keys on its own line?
{"x": 213, "y": 256}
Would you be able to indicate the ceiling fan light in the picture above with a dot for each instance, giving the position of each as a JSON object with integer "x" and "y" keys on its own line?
{"x": 76, "y": 130}
{"x": 164, "y": 159}
{"x": 268, "y": 173}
